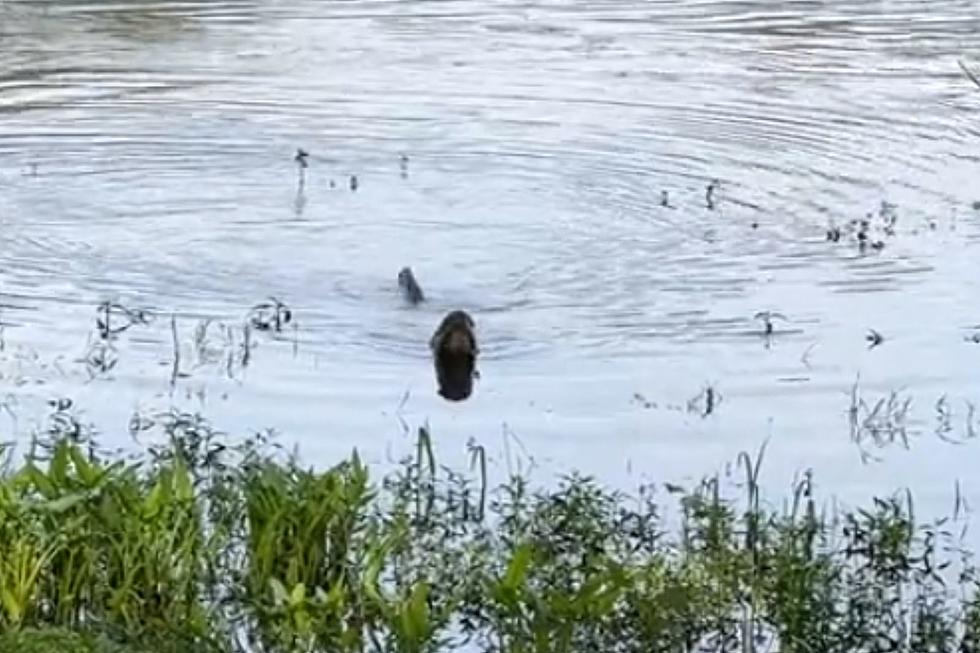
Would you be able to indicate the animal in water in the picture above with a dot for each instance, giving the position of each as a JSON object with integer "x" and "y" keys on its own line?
{"x": 403, "y": 164}
{"x": 454, "y": 351}
{"x": 410, "y": 288}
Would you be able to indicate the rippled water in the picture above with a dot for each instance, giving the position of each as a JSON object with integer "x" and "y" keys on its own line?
{"x": 146, "y": 158}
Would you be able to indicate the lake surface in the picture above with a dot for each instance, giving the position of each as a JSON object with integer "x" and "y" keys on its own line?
{"x": 146, "y": 158}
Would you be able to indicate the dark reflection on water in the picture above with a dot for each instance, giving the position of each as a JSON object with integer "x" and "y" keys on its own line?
{"x": 146, "y": 157}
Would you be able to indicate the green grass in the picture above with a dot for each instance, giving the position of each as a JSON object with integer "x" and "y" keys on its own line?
{"x": 201, "y": 545}
{"x": 56, "y": 640}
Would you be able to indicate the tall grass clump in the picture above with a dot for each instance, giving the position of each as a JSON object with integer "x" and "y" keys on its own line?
{"x": 206, "y": 543}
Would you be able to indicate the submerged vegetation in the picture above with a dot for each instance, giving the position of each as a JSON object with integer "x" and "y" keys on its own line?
{"x": 205, "y": 543}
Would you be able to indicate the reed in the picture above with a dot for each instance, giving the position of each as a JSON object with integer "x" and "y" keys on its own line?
{"x": 205, "y": 543}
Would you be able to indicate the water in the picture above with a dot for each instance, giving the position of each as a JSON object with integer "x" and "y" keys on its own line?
{"x": 146, "y": 157}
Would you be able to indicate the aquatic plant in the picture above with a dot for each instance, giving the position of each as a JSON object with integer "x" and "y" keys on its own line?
{"x": 207, "y": 543}
{"x": 271, "y": 315}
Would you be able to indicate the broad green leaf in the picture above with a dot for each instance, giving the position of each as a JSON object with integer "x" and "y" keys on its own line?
{"x": 298, "y": 595}
{"x": 109, "y": 511}
{"x": 106, "y": 473}
{"x": 336, "y": 597}
{"x": 319, "y": 596}
{"x": 58, "y": 468}
{"x": 373, "y": 572}
{"x": 11, "y": 605}
{"x": 155, "y": 500}
{"x": 39, "y": 481}
{"x": 183, "y": 488}
{"x": 418, "y": 613}
{"x": 87, "y": 471}
{"x": 279, "y": 594}
{"x": 517, "y": 569}
{"x": 303, "y": 622}
{"x": 64, "y": 503}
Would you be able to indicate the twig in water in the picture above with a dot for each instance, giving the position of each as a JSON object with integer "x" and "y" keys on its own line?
{"x": 404, "y": 399}
{"x": 400, "y": 408}
{"x": 767, "y": 318}
{"x": 969, "y": 73}
{"x": 884, "y": 424}
{"x": 874, "y": 338}
{"x": 944, "y": 420}
{"x": 833, "y": 233}
{"x": 130, "y": 317}
{"x": 805, "y": 358}
{"x": 7, "y": 405}
{"x": 710, "y": 400}
{"x": 971, "y": 429}
{"x": 478, "y": 456}
{"x": 301, "y": 165}
{"x": 409, "y": 286}
{"x": 960, "y": 504}
{"x": 643, "y": 401}
{"x": 175, "y": 370}
{"x": 299, "y": 202}
{"x": 709, "y": 194}
{"x": 100, "y": 358}
{"x": 246, "y": 344}
{"x": 852, "y": 411}
{"x": 424, "y": 447}
{"x": 301, "y": 158}
{"x": 272, "y": 315}
{"x": 508, "y": 435}
{"x": 705, "y": 402}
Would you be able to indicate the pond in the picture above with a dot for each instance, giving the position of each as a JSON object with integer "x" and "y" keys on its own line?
{"x": 542, "y": 165}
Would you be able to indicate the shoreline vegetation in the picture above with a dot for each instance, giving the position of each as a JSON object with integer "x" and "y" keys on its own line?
{"x": 201, "y": 542}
